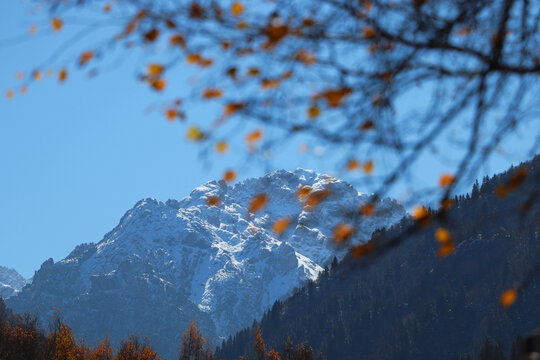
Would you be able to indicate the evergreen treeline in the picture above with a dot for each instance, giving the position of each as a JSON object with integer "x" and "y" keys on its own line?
{"x": 412, "y": 304}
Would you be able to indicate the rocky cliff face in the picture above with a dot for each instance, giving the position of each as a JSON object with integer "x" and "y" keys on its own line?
{"x": 11, "y": 282}
{"x": 166, "y": 264}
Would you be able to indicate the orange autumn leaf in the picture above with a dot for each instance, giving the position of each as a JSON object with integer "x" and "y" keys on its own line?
{"x": 508, "y": 298}
{"x": 229, "y": 175}
{"x": 258, "y": 202}
{"x": 303, "y": 192}
{"x": 335, "y": 97}
{"x": 237, "y": 8}
{"x": 10, "y": 94}
{"x": 447, "y": 204}
{"x": 369, "y": 32}
{"x": 85, "y": 57}
{"x": 419, "y": 213}
{"x": 352, "y": 165}
{"x": 305, "y": 57}
{"x": 213, "y": 200}
{"x": 19, "y": 75}
{"x": 33, "y": 29}
{"x": 193, "y": 58}
{"x": 443, "y": 236}
{"x": 24, "y": 89}
{"x": 342, "y": 233}
{"x": 368, "y": 167}
{"x": 151, "y": 35}
{"x": 195, "y": 134}
{"x": 314, "y": 198}
{"x": 56, "y": 24}
{"x": 158, "y": 84}
{"x": 206, "y": 62}
{"x": 37, "y": 75}
{"x": 446, "y": 180}
{"x": 464, "y": 31}
{"x": 62, "y": 75}
{"x": 178, "y": 40}
{"x": 275, "y": 33}
{"x": 171, "y": 114}
{"x": 360, "y": 250}
{"x": 281, "y": 225}
{"x": 367, "y": 125}
{"x": 367, "y": 209}
{"x": 253, "y": 71}
{"x": 269, "y": 84}
{"x": 155, "y": 69}
{"x": 517, "y": 179}
{"x": 212, "y": 93}
{"x": 313, "y": 111}
{"x": 107, "y": 8}
{"x": 287, "y": 74}
{"x": 231, "y": 108}
{"x": 254, "y": 136}
{"x": 446, "y": 249}
{"x": 222, "y": 147}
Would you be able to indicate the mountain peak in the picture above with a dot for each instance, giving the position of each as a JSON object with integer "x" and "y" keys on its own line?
{"x": 167, "y": 263}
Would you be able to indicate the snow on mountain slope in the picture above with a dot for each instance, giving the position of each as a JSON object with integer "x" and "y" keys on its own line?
{"x": 168, "y": 263}
{"x": 11, "y": 282}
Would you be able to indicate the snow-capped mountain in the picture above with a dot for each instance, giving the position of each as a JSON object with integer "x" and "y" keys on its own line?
{"x": 11, "y": 282}
{"x": 166, "y": 264}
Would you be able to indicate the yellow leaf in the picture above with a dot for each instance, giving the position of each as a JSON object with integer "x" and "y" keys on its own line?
{"x": 342, "y": 233}
{"x": 222, "y": 147}
{"x": 508, "y": 298}
{"x": 229, "y": 175}
{"x": 281, "y": 225}
{"x": 237, "y": 8}
{"x": 195, "y": 134}
{"x": 56, "y": 24}
{"x": 258, "y": 202}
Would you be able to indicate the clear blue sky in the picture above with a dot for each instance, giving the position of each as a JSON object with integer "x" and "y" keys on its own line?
{"x": 74, "y": 157}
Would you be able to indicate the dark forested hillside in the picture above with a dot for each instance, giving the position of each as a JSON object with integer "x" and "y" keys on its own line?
{"x": 412, "y": 304}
